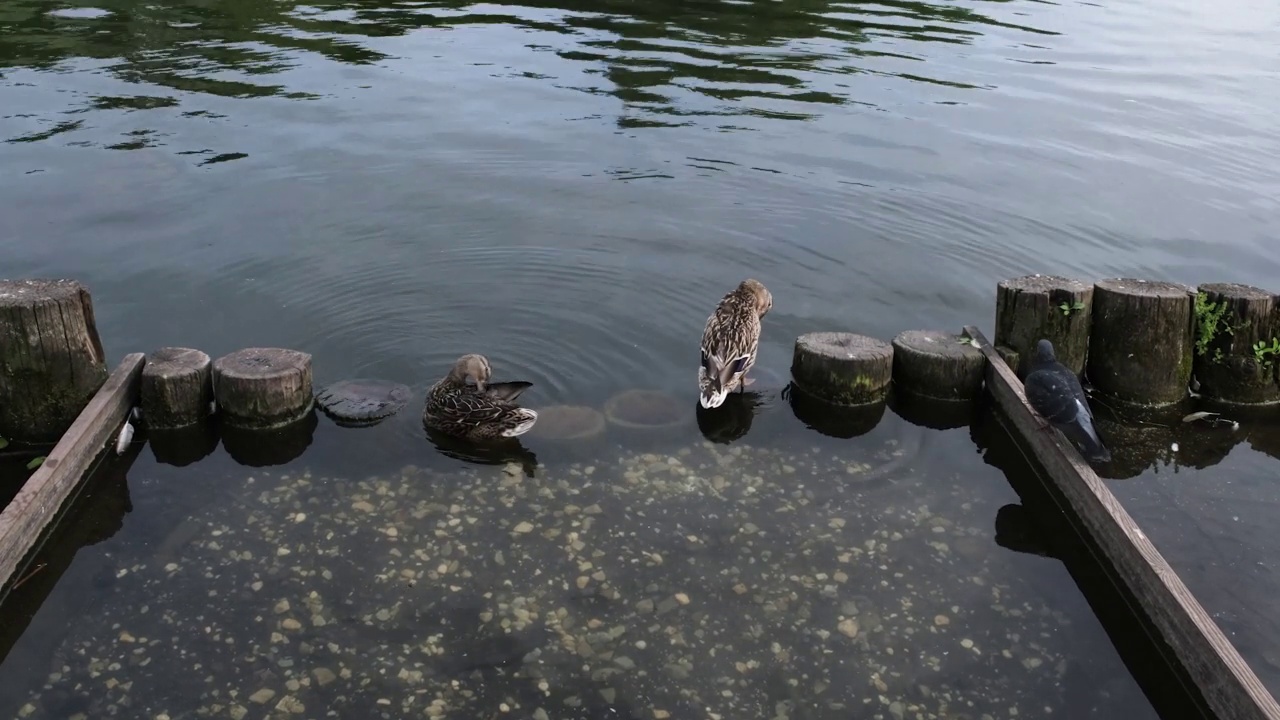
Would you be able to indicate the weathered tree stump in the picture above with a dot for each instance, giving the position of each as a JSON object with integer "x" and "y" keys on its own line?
{"x": 1140, "y": 347}
{"x": 1044, "y": 306}
{"x": 1237, "y": 344}
{"x": 362, "y": 402}
{"x": 937, "y": 364}
{"x": 51, "y": 359}
{"x": 177, "y": 388}
{"x": 261, "y": 388}
{"x": 842, "y": 368}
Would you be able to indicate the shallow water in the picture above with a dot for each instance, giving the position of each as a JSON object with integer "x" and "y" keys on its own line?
{"x": 781, "y": 577}
{"x": 568, "y": 188}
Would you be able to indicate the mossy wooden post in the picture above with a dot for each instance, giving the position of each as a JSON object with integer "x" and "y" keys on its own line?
{"x": 842, "y": 368}
{"x": 1237, "y": 343}
{"x": 51, "y": 360}
{"x": 1043, "y": 306}
{"x": 937, "y": 364}
{"x": 177, "y": 388}
{"x": 263, "y": 388}
{"x": 1140, "y": 349}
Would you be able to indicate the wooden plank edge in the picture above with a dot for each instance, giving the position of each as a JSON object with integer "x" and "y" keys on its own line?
{"x": 1226, "y": 681}
{"x": 26, "y": 518}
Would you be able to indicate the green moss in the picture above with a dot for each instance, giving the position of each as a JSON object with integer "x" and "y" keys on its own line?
{"x": 1209, "y": 322}
{"x": 850, "y": 390}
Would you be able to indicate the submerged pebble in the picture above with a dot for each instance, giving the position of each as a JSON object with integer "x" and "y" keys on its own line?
{"x": 708, "y": 578}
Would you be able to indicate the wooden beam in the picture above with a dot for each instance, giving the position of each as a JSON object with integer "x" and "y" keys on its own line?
{"x": 1226, "y": 681}
{"x": 24, "y": 521}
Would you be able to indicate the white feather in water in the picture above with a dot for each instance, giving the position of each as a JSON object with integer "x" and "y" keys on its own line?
{"x": 123, "y": 439}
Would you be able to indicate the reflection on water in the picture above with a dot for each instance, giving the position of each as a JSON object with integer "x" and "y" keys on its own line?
{"x": 569, "y": 190}
{"x": 664, "y": 61}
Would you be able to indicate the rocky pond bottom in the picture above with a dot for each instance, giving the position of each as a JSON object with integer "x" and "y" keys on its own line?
{"x": 712, "y": 582}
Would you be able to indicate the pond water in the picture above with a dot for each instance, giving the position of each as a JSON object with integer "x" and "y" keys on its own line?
{"x": 793, "y": 575}
{"x": 568, "y": 188}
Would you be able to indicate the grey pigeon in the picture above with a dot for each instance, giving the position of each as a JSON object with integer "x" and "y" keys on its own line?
{"x": 1055, "y": 393}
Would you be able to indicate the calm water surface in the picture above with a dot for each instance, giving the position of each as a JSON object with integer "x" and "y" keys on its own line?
{"x": 568, "y": 188}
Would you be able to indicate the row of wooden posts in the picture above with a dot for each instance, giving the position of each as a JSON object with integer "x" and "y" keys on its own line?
{"x": 1140, "y": 342}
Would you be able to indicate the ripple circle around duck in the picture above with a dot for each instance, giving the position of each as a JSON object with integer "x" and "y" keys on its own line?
{"x": 580, "y": 323}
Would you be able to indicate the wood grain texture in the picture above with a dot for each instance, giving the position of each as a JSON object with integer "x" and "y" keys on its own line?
{"x": 1141, "y": 343}
{"x": 37, "y": 504}
{"x": 843, "y": 368}
{"x": 177, "y": 388}
{"x": 937, "y": 364}
{"x": 51, "y": 359}
{"x": 1032, "y": 307}
{"x": 1225, "y": 680}
{"x": 263, "y": 388}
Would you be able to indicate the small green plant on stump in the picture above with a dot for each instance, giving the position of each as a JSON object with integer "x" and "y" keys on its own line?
{"x": 1209, "y": 322}
{"x": 1067, "y": 309}
{"x": 1264, "y": 352}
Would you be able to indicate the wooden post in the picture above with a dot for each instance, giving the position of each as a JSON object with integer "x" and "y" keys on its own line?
{"x": 1237, "y": 344}
{"x": 1140, "y": 349}
{"x": 51, "y": 360}
{"x": 177, "y": 388}
{"x": 937, "y": 364}
{"x": 263, "y": 388}
{"x": 1225, "y": 680}
{"x": 38, "y": 503}
{"x": 1044, "y": 306}
{"x": 842, "y": 368}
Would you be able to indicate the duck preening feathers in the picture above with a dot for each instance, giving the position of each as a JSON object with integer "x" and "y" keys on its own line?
{"x": 483, "y": 411}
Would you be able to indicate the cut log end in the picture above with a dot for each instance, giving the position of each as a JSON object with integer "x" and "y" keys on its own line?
{"x": 937, "y": 364}
{"x": 1055, "y": 308}
{"x": 1134, "y": 287}
{"x": 1237, "y": 344}
{"x": 1140, "y": 346}
{"x": 261, "y": 388}
{"x": 177, "y": 387}
{"x": 842, "y": 368}
{"x": 51, "y": 355}
{"x": 363, "y": 402}
{"x": 1045, "y": 284}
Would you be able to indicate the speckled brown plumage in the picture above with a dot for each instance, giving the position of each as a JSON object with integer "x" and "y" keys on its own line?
{"x": 730, "y": 341}
{"x": 482, "y": 411}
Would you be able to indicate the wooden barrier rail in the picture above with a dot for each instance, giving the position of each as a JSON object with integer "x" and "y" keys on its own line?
{"x": 24, "y": 522}
{"x": 1226, "y": 681}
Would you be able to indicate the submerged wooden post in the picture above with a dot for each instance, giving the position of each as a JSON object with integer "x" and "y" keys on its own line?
{"x": 1033, "y": 307}
{"x": 39, "y": 502}
{"x": 842, "y": 368}
{"x": 1140, "y": 349}
{"x": 177, "y": 388}
{"x": 937, "y": 364}
{"x": 51, "y": 360}
{"x": 263, "y": 388}
{"x": 1222, "y": 677}
{"x": 1237, "y": 352}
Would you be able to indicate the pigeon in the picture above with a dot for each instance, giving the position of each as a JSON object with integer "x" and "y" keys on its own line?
{"x": 1055, "y": 393}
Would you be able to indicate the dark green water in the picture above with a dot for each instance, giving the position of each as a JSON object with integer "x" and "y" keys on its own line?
{"x": 568, "y": 189}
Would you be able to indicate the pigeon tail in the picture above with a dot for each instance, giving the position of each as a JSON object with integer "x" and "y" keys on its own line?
{"x": 1080, "y": 431}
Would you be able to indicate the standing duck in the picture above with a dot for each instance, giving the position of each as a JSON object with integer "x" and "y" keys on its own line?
{"x": 484, "y": 411}
{"x": 730, "y": 340}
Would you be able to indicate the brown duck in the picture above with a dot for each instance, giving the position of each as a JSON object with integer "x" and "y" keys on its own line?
{"x": 483, "y": 411}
